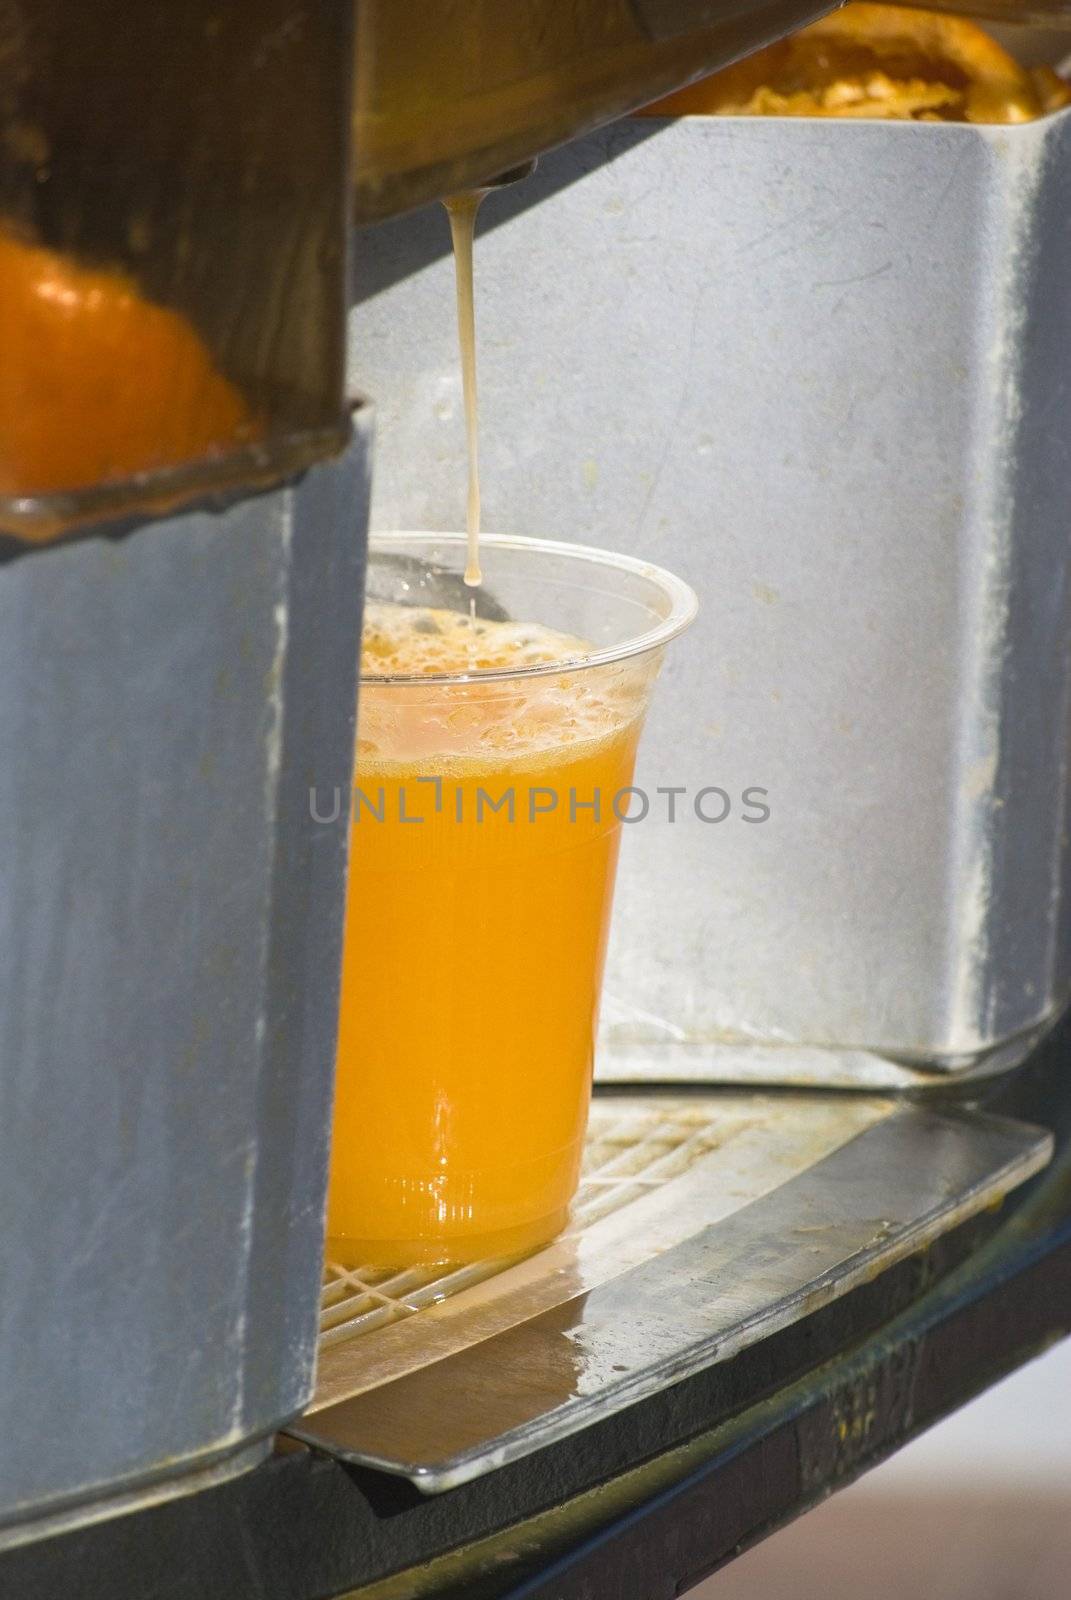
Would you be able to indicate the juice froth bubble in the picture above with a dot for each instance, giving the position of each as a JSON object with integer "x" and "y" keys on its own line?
{"x": 423, "y": 640}
{"x": 520, "y": 717}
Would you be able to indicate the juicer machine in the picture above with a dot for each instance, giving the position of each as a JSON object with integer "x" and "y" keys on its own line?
{"x": 179, "y": 649}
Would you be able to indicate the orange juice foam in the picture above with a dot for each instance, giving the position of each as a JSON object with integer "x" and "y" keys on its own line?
{"x": 484, "y": 844}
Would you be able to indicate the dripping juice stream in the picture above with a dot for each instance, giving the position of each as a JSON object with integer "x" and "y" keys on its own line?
{"x": 462, "y": 209}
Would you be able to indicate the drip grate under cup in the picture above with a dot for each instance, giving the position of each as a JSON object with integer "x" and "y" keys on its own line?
{"x": 704, "y": 1223}
{"x": 631, "y": 1150}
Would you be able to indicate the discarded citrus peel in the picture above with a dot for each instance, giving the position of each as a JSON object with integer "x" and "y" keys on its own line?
{"x": 879, "y": 61}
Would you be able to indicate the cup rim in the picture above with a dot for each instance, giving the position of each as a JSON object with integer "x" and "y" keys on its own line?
{"x": 683, "y": 602}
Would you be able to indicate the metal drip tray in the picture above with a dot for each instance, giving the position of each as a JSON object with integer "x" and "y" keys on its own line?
{"x": 703, "y": 1224}
{"x": 633, "y": 1147}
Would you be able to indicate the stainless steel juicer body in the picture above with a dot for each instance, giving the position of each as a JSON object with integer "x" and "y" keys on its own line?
{"x": 170, "y": 910}
{"x": 821, "y": 369}
{"x": 170, "y": 937}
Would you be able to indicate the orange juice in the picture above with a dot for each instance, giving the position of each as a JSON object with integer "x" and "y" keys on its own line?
{"x": 483, "y": 847}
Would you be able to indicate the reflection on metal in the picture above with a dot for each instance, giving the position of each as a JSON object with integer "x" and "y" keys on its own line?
{"x": 447, "y": 97}
{"x": 704, "y": 1224}
{"x": 156, "y": 1492}
{"x": 795, "y": 1066}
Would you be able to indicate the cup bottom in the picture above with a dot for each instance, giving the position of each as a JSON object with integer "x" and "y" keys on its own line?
{"x": 443, "y": 1250}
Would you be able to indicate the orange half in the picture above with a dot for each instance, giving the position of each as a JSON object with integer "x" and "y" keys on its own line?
{"x": 98, "y": 383}
{"x": 889, "y": 62}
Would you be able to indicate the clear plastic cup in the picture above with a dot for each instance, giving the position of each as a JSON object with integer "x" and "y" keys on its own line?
{"x": 486, "y": 823}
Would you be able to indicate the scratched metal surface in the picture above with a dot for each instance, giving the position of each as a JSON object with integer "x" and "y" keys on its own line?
{"x": 819, "y": 369}
{"x": 170, "y": 935}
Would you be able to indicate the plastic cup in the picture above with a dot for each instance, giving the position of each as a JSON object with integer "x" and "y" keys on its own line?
{"x": 485, "y": 832}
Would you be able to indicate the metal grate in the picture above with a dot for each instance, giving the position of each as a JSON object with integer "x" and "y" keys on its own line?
{"x": 629, "y": 1153}
{"x": 703, "y": 1225}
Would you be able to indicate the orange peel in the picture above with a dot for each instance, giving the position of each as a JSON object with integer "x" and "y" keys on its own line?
{"x": 1053, "y": 92}
{"x": 97, "y": 382}
{"x": 881, "y": 61}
